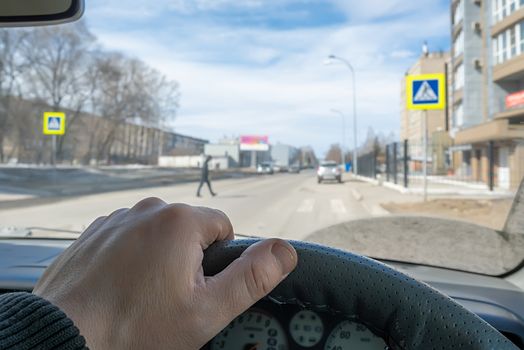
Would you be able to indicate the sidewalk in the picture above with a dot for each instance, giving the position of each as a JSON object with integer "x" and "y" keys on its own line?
{"x": 438, "y": 186}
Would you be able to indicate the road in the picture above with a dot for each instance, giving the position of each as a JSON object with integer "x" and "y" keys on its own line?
{"x": 295, "y": 207}
{"x": 283, "y": 205}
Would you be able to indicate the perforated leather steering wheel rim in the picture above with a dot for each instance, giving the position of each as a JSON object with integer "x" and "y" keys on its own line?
{"x": 408, "y": 313}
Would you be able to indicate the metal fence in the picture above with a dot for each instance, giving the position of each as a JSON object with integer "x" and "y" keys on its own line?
{"x": 402, "y": 163}
{"x": 367, "y": 165}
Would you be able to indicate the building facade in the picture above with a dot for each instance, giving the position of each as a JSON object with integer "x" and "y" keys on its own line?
{"x": 284, "y": 156}
{"x": 487, "y": 121}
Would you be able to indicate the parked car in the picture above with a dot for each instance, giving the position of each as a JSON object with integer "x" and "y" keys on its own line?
{"x": 294, "y": 169}
{"x": 265, "y": 168}
{"x": 329, "y": 170}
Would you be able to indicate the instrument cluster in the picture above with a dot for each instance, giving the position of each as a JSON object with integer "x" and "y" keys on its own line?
{"x": 270, "y": 326}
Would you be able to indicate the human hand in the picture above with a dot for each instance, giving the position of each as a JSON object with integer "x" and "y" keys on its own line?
{"x": 134, "y": 279}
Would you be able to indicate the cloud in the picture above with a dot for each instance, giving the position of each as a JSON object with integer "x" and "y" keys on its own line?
{"x": 239, "y": 79}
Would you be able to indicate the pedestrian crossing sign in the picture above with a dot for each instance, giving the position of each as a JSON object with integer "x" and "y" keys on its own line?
{"x": 426, "y": 91}
{"x": 54, "y": 123}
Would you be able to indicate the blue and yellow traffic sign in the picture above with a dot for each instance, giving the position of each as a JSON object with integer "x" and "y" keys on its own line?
{"x": 426, "y": 91}
{"x": 54, "y": 123}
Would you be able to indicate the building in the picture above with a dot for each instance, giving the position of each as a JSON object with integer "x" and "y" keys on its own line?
{"x": 230, "y": 149}
{"x": 178, "y": 144}
{"x": 412, "y": 122}
{"x": 487, "y": 122}
{"x": 284, "y": 156}
{"x": 91, "y": 139}
{"x": 224, "y": 150}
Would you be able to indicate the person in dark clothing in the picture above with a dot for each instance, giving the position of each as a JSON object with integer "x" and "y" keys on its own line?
{"x": 134, "y": 280}
{"x": 204, "y": 178}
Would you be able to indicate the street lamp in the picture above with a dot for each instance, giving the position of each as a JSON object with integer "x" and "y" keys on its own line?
{"x": 343, "y": 145}
{"x": 330, "y": 60}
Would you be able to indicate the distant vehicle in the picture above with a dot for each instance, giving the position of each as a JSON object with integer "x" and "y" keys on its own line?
{"x": 294, "y": 169}
{"x": 265, "y": 168}
{"x": 329, "y": 171}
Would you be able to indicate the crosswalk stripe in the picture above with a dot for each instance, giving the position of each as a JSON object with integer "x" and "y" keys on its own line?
{"x": 306, "y": 206}
{"x": 337, "y": 206}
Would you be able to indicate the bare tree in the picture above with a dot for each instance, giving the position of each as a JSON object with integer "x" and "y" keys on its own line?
{"x": 129, "y": 91}
{"x": 334, "y": 153}
{"x": 57, "y": 58}
{"x": 11, "y": 67}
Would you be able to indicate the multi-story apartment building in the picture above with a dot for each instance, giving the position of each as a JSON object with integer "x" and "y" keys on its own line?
{"x": 487, "y": 97}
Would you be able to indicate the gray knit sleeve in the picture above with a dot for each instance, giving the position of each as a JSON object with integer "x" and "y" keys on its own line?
{"x": 30, "y": 322}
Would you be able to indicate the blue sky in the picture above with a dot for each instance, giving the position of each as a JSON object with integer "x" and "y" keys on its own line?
{"x": 256, "y": 66}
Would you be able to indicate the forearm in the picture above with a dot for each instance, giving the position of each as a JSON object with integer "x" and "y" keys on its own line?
{"x": 30, "y": 322}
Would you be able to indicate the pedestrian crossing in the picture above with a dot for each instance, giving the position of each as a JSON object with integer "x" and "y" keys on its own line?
{"x": 308, "y": 205}
{"x": 336, "y": 206}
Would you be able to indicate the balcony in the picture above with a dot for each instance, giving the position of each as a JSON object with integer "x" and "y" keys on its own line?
{"x": 496, "y": 130}
{"x": 458, "y": 59}
{"x": 512, "y": 69}
{"x": 507, "y": 22}
{"x": 457, "y": 28}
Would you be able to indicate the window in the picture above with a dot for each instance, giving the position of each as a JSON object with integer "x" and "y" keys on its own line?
{"x": 512, "y": 50}
{"x": 459, "y": 13}
{"x": 458, "y": 45}
{"x": 509, "y": 43}
{"x": 504, "y": 8}
{"x": 458, "y": 78}
{"x": 520, "y": 34}
{"x": 458, "y": 115}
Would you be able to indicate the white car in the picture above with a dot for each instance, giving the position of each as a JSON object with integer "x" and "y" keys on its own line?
{"x": 265, "y": 168}
{"x": 329, "y": 171}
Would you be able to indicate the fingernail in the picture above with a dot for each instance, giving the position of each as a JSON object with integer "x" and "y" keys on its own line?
{"x": 285, "y": 255}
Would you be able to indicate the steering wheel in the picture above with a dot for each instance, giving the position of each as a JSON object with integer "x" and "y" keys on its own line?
{"x": 409, "y": 314}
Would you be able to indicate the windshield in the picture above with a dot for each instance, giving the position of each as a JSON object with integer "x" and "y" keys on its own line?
{"x": 239, "y": 105}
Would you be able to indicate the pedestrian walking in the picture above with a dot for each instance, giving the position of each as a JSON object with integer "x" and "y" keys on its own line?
{"x": 204, "y": 178}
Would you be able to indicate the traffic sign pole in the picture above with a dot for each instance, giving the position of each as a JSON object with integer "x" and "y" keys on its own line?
{"x": 425, "y": 155}
{"x": 53, "y": 150}
{"x": 426, "y": 92}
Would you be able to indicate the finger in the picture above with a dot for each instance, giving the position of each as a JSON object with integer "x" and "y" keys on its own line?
{"x": 95, "y": 225}
{"x": 101, "y": 221}
{"x": 249, "y": 278}
{"x": 200, "y": 225}
{"x": 148, "y": 204}
{"x": 217, "y": 226}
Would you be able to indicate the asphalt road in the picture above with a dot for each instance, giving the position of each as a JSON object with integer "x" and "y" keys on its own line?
{"x": 284, "y": 205}
{"x": 294, "y": 206}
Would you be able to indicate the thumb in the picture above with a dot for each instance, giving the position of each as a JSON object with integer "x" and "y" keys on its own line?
{"x": 252, "y": 276}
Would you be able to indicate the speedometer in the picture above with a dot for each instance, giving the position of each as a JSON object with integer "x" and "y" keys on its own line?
{"x": 253, "y": 330}
{"x": 353, "y": 335}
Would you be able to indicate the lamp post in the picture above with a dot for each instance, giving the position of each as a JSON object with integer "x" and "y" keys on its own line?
{"x": 330, "y": 60}
{"x": 343, "y": 144}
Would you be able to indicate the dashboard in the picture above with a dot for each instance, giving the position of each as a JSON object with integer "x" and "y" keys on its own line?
{"x": 272, "y": 326}
{"x": 496, "y": 300}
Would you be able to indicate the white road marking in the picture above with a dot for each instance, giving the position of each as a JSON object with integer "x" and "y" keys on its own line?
{"x": 356, "y": 194}
{"x": 306, "y": 206}
{"x": 338, "y": 207}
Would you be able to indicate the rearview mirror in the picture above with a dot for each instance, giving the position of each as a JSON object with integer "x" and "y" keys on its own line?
{"x": 18, "y": 13}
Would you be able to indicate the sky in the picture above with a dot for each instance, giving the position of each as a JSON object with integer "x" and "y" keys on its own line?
{"x": 256, "y": 67}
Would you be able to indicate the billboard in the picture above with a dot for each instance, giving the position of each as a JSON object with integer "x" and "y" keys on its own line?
{"x": 254, "y": 143}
